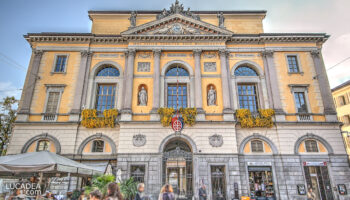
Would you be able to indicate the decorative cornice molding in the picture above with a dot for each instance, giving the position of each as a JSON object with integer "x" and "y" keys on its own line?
{"x": 267, "y": 53}
{"x": 38, "y": 52}
{"x": 85, "y": 53}
{"x": 157, "y": 52}
{"x": 197, "y": 52}
{"x": 316, "y": 53}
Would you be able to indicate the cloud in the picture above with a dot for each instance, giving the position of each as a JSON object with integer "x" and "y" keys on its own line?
{"x": 8, "y": 89}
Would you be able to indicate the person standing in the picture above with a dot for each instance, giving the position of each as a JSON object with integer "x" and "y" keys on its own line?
{"x": 95, "y": 195}
{"x": 311, "y": 195}
{"x": 202, "y": 193}
{"x": 166, "y": 193}
{"x": 113, "y": 192}
{"x": 140, "y": 190}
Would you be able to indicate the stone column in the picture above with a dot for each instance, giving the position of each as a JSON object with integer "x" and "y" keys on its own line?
{"x": 28, "y": 90}
{"x": 129, "y": 72}
{"x": 227, "y": 112}
{"x": 198, "y": 85}
{"x": 156, "y": 85}
{"x": 273, "y": 89}
{"x": 81, "y": 85}
{"x": 321, "y": 75}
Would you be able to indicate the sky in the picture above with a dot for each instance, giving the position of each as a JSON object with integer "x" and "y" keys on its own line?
{"x": 18, "y": 17}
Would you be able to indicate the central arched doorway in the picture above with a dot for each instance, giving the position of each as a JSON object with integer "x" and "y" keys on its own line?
{"x": 178, "y": 167}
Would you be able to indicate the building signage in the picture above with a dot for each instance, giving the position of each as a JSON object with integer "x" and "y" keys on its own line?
{"x": 315, "y": 163}
{"x": 259, "y": 163}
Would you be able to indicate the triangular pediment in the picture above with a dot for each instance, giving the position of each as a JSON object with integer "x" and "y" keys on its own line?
{"x": 177, "y": 24}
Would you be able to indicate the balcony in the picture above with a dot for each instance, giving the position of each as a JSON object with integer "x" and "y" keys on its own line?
{"x": 304, "y": 117}
{"x": 49, "y": 117}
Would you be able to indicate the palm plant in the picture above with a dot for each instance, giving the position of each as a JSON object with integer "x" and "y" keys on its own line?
{"x": 129, "y": 188}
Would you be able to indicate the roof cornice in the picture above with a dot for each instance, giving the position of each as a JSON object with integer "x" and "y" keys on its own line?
{"x": 235, "y": 38}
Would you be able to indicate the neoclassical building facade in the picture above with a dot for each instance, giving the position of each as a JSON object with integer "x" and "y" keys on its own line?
{"x": 219, "y": 62}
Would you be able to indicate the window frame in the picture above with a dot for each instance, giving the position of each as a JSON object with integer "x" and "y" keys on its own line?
{"x": 298, "y": 63}
{"x": 97, "y": 91}
{"x": 306, "y": 151}
{"x": 55, "y": 61}
{"x": 53, "y": 88}
{"x": 256, "y": 95}
{"x": 251, "y": 146}
{"x": 138, "y": 165}
{"x": 301, "y": 88}
{"x": 92, "y": 146}
{"x": 187, "y": 93}
{"x": 38, "y": 144}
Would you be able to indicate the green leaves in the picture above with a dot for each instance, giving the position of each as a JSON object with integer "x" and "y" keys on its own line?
{"x": 7, "y": 118}
{"x": 129, "y": 188}
{"x": 100, "y": 183}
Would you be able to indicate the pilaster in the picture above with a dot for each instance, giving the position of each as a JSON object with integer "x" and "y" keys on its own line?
{"x": 81, "y": 85}
{"x": 198, "y": 85}
{"x": 227, "y": 112}
{"x": 273, "y": 86}
{"x": 321, "y": 76}
{"x": 126, "y": 113}
{"x": 156, "y": 85}
{"x": 29, "y": 87}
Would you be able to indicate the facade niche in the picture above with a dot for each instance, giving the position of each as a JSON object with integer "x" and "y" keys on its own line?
{"x": 142, "y": 95}
{"x": 211, "y": 95}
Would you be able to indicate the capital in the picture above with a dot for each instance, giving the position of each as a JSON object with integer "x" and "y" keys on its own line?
{"x": 222, "y": 52}
{"x": 157, "y": 52}
{"x": 85, "y": 53}
{"x": 131, "y": 52}
{"x": 197, "y": 52}
{"x": 267, "y": 53}
{"x": 38, "y": 52}
{"x": 315, "y": 53}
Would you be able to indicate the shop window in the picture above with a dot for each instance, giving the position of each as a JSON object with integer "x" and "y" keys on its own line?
{"x": 257, "y": 146}
{"x": 293, "y": 64}
{"x": 138, "y": 173}
{"x": 105, "y": 97}
{"x": 317, "y": 178}
{"x": 311, "y": 146}
{"x": 98, "y": 146}
{"x": 177, "y": 96}
{"x": 261, "y": 183}
{"x": 60, "y": 65}
{"x": 218, "y": 182}
{"x": 43, "y": 145}
{"x": 247, "y": 95}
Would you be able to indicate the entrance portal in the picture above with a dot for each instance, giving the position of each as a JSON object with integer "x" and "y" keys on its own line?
{"x": 177, "y": 168}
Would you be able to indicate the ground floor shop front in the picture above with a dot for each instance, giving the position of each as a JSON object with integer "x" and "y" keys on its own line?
{"x": 231, "y": 176}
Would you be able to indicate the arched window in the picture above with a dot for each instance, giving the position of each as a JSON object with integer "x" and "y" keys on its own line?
{"x": 108, "y": 71}
{"x": 177, "y": 71}
{"x": 98, "y": 146}
{"x": 245, "y": 71}
{"x": 257, "y": 146}
{"x": 177, "y": 92}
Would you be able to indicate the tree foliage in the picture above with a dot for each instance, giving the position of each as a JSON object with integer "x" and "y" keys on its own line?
{"x": 7, "y": 118}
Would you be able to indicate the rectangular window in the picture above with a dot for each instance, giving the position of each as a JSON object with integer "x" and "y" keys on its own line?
{"x": 293, "y": 64}
{"x": 300, "y": 102}
{"x": 105, "y": 97}
{"x": 60, "y": 64}
{"x": 342, "y": 100}
{"x": 52, "y": 102}
{"x": 311, "y": 146}
{"x": 98, "y": 146}
{"x": 177, "y": 96}
{"x": 247, "y": 96}
{"x": 218, "y": 182}
{"x": 257, "y": 146}
{"x": 138, "y": 172}
{"x": 43, "y": 145}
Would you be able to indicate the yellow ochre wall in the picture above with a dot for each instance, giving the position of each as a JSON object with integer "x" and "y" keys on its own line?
{"x": 115, "y": 24}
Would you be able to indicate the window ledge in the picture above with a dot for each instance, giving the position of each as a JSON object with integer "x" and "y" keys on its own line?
{"x": 291, "y": 73}
{"x": 52, "y": 73}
